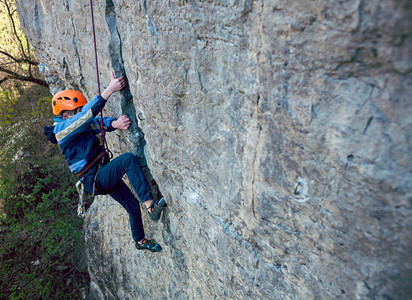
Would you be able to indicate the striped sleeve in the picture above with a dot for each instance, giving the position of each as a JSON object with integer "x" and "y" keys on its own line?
{"x": 80, "y": 122}
{"x": 107, "y": 124}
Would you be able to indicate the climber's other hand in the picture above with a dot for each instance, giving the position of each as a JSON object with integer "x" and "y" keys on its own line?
{"x": 122, "y": 123}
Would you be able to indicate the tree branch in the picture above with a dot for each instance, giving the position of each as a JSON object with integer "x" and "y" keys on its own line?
{"x": 20, "y": 60}
{"x": 4, "y": 79}
{"x": 10, "y": 13}
{"x": 17, "y": 66}
{"x": 20, "y": 77}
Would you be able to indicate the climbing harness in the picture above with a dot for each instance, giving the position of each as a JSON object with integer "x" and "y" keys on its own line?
{"x": 97, "y": 160}
{"x": 100, "y": 160}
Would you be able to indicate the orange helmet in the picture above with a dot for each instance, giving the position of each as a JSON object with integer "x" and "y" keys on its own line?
{"x": 67, "y": 100}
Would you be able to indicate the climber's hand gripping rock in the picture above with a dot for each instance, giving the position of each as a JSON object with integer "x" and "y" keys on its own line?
{"x": 115, "y": 85}
{"x": 122, "y": 123}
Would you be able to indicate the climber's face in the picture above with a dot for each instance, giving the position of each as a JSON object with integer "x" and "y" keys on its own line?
{"x": 70, "y": 113}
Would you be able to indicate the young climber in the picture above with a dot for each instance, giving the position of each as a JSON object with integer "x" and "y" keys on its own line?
{"x": 75, "y": 129}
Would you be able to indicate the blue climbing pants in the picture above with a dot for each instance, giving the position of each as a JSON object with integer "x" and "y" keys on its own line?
{"x": 109, "y": 181}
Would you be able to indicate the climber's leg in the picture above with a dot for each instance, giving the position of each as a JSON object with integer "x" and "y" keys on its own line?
{"x": 121, "y": 193}
{"x": 112, "y": 173}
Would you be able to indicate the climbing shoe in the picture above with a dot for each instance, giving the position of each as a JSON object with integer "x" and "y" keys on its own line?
{"x": 148, "y": 245}
{"x": 155, "y": 209}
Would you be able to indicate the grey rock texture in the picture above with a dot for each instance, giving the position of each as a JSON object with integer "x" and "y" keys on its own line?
{"x": 278, "y": 131}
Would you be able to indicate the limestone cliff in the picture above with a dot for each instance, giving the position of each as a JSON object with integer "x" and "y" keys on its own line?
{"x": 278, "y": 131}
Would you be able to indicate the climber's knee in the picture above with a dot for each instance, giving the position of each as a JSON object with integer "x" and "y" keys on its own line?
{"x": 129, "y": 159}
{"x": 129, "y": 156}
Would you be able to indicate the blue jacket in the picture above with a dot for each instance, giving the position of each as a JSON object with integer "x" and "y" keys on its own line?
{"x": 76, "y": 136}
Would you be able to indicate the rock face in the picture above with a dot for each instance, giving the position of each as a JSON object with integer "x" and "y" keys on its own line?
{"x": 278, "y": 131}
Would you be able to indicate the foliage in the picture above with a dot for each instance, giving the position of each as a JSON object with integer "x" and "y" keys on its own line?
{"x": 17, "y": 59}
{"x": 41, "y": 241}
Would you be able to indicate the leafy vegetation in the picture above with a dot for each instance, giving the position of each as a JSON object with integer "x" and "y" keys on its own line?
{"x": 41, "y": 240}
